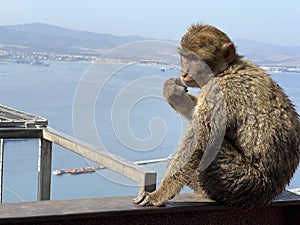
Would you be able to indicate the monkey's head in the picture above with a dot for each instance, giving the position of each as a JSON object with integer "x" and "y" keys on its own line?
{"x": 205, "y": 52}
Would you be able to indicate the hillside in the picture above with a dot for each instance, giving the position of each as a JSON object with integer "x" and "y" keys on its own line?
{"x": 263, "y": 53}
{"x": 49, "y": 38}
{"x": 39, "y": 37}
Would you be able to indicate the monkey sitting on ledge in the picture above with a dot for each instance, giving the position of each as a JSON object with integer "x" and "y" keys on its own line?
{"x": 241, "y": 147}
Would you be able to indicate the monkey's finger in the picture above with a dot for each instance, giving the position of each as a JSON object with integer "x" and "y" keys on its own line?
{"x": 178, "y": 81}
{"x": 170, "y": 82}
{"x": 139, "y": 198}
{"x": 173, "y": 79}
{"x": 146, "y": 201}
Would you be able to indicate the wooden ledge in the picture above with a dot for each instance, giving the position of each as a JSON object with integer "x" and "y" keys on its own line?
{"x": 185, "y": 209}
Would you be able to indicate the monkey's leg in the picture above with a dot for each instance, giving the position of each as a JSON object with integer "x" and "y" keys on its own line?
{"x": 178, "y": 98}
{"x": 183, "y": 165}
{"x": 235, "y": 181}
{"x": 195, "y": 184}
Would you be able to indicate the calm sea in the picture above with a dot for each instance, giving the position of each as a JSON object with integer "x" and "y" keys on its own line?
{"x": 130, "y": 119}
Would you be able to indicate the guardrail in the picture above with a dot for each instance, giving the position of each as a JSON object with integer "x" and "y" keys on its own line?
{"x": 145, "y": 178}
{"x": 187, "y": 208}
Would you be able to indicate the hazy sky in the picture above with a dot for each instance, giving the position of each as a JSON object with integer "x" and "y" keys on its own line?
{"x": 275, "y": 22}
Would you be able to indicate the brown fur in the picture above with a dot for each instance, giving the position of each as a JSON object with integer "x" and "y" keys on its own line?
{"x": 260, "y": 149}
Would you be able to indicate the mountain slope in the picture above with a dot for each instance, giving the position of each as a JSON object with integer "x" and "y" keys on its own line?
{"x": 264, "y": 53}
{"x": 54, "y": 39}
{"x": 44, "y": 37}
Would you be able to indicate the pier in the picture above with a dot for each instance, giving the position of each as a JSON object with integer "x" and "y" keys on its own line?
{"x": 184, "y": 209}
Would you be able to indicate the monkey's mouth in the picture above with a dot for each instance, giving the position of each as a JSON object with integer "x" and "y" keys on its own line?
{"x": 189, "y": 82}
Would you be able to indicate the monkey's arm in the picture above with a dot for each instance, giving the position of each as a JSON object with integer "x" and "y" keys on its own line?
{"x": 176, "y": 95}
{"x": 180, "y": 169}
{"x": 199, "y": 146}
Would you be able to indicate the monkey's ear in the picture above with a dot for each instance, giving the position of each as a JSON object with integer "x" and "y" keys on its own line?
{"x": 229, "y": 52}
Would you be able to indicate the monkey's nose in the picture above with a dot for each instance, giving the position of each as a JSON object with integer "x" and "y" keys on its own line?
{"x": 184, "y": 74}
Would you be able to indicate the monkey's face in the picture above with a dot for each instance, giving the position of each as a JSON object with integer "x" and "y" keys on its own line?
{"x": 205, "y": 52}
{"x": 194, "y": 71}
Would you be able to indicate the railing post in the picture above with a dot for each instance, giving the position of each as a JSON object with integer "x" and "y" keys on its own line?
{"x": 44, "y": 169}
{"x": 1, "y": 167}
{"x": 148, "y": 183}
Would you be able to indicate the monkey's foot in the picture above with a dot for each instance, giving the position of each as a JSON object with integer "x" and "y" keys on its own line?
{"x": 146, "y": 198}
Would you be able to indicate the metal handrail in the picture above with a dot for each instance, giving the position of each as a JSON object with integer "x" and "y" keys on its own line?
{"x": 145, "y": 178}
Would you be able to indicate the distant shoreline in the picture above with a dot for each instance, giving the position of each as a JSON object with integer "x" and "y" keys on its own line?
{"x": 31, "y": 61}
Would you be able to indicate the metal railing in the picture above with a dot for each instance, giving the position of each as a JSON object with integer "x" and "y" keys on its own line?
{"x": 145, "y": 178}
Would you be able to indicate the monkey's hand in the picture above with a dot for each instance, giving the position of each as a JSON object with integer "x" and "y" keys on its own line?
{"x": 146, "y": 198}
{"x": 176, "y": 95}
{"x": 174, "y": 86}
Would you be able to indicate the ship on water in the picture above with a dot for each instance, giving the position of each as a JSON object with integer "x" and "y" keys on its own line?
{"x": 32, "y": 62}
{"x": 92, "y": 169}
{"x": 75, "y": 171}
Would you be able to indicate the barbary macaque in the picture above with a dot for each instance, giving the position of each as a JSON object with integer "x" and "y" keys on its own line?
{"x": 241, "y": 147}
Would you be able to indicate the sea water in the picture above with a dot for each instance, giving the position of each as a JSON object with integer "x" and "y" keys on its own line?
{"x": 130, "y": 119}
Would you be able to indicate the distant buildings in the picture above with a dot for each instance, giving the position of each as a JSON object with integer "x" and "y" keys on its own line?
{"x": 39, "y": 58}
{"x": 18, "y": 57}
{"x": 281, "y": 69}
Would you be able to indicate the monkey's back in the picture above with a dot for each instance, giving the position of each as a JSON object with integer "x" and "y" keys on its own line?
{"x": 260, "y": 152}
